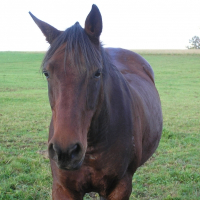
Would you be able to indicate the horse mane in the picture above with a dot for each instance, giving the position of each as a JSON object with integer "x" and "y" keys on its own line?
{"x": 79, "y": 49}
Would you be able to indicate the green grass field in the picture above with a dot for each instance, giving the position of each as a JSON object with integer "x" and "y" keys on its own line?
{"x": 173, "y": 173}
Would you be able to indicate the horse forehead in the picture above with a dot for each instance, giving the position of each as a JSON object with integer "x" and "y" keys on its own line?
{"x": 69, "y": 58}
{"x": 64, "y": 71}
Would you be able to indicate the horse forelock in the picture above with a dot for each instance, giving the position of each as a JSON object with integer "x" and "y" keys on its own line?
{"x": 78, "y": 49}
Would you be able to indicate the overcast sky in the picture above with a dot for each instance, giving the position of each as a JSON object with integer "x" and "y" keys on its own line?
{"x": 132, "y": 24}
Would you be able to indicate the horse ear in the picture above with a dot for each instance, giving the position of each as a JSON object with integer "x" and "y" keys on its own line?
{"x": 49, "y": 31}
{"x": 93, "y": 23}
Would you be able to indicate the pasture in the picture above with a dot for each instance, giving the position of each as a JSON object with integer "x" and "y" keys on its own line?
{"x": 173, "y": 173}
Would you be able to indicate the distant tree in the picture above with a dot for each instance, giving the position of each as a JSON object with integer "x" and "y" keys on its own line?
{"x": 195, "y": 43}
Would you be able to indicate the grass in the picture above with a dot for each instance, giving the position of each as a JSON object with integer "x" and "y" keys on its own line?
{"x": 168, "y": 51}
{"x": 24, "y": 118}
{"x": 172, "y": 173}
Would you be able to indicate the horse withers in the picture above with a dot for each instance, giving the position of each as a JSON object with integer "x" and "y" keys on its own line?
{"x": 106, "y": 112}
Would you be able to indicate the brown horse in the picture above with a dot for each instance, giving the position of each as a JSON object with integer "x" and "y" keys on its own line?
{"x": 106, "y": 113}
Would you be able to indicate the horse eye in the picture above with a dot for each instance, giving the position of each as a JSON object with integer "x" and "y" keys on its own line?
{"x": 46, "y": 74}
{"x": 97, "y": 74}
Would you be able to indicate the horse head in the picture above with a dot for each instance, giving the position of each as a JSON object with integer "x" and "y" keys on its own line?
{"x": 73, "y": 68}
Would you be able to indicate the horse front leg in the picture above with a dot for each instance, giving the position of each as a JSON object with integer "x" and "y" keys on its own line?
{"x": 61, "y": 193}
{"x": 123, "y": 189}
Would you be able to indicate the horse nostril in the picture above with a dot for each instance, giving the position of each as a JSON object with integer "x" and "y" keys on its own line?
{"x": 74, "y": 151}
{"x": 53, "y": 152}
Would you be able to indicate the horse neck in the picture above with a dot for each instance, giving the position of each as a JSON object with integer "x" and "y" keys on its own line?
{"x": 99, "y": 127}
{"x": 115, "y": 97}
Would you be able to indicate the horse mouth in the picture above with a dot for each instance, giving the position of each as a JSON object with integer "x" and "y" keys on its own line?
{"x": 76, "y": 165}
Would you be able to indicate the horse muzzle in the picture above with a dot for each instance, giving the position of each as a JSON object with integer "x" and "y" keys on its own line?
{"x": 69, "y": 159}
